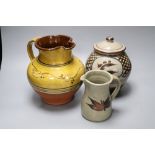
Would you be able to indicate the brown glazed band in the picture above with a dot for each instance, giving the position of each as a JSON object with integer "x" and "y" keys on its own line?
{"x": 58, "y": 65}
{"x": 56, "y": 91}
{"x": 111, "y": 54}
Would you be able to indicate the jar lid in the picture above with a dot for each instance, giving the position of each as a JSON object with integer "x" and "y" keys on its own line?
{"x": 109, "y": 46}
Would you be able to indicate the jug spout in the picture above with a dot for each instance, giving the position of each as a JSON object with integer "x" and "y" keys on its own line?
{"x": 55, "y": 50}
{"x": 96, "y": 81}
{"x": 89, "y": 86}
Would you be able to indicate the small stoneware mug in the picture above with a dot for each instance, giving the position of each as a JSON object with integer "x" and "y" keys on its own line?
{"x": 96, "y": 101}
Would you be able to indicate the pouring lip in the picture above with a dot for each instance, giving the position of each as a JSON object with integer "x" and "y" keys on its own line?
{"x": 101, "y": 71}
{"x": 58, "y": 41}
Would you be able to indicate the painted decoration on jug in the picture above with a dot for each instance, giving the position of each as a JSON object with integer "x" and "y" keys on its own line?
{"x": 67, "y": 78}
{"x": 99, "y": 106}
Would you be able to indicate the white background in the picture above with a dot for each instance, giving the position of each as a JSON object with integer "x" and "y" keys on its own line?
{"x": 79, "y": 12}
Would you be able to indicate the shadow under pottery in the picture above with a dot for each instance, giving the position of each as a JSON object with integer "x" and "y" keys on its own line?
{"x": 116, "y": 112}
{"x": 125, "y": 90}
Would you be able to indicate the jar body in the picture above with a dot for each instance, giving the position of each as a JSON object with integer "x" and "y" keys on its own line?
{"x": 117, "y": 64}
{"x": 55, "y": 84}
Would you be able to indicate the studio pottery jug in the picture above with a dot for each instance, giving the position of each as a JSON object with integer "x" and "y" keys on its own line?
{"x": 110, "y": 55}
{"x": 96, "y": 101}
{"x": 55, "y": 73}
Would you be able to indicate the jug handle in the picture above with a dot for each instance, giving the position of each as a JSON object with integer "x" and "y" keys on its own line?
{"x": 29, "y": 48}
{"x": 116, "y": 90}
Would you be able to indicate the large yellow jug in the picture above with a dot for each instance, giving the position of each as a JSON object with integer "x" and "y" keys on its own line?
{"x": 55, "y": 73}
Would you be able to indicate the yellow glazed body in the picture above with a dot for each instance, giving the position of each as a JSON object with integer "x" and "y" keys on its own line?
{"x": 57, "y": 77}
{"x": 55, "y": 73}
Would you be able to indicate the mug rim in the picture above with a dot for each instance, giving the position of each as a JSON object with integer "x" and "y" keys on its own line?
{"x": 101, "y": 71}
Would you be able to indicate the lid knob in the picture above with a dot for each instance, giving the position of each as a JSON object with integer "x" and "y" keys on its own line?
{"x": 109, "y": 39}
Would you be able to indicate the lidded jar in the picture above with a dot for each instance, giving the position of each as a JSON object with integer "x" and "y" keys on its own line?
{"x": 55, "y": 73}
{"x": 111, "y": 56}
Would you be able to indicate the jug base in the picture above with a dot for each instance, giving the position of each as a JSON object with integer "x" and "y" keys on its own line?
{"x": 57, "y": 99}
{"x": 95, "y": 120}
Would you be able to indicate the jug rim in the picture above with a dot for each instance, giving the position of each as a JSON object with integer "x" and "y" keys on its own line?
{"x": 97, "y": 84}
{"x": 53, "y": 42}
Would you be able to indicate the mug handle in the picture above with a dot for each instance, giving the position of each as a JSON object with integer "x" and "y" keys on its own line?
{"x": 116, "y": 90}
{"x": 30, "y": 50}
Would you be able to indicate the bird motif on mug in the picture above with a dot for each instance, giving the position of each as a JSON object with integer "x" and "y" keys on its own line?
{"x": 99, "y": 106}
